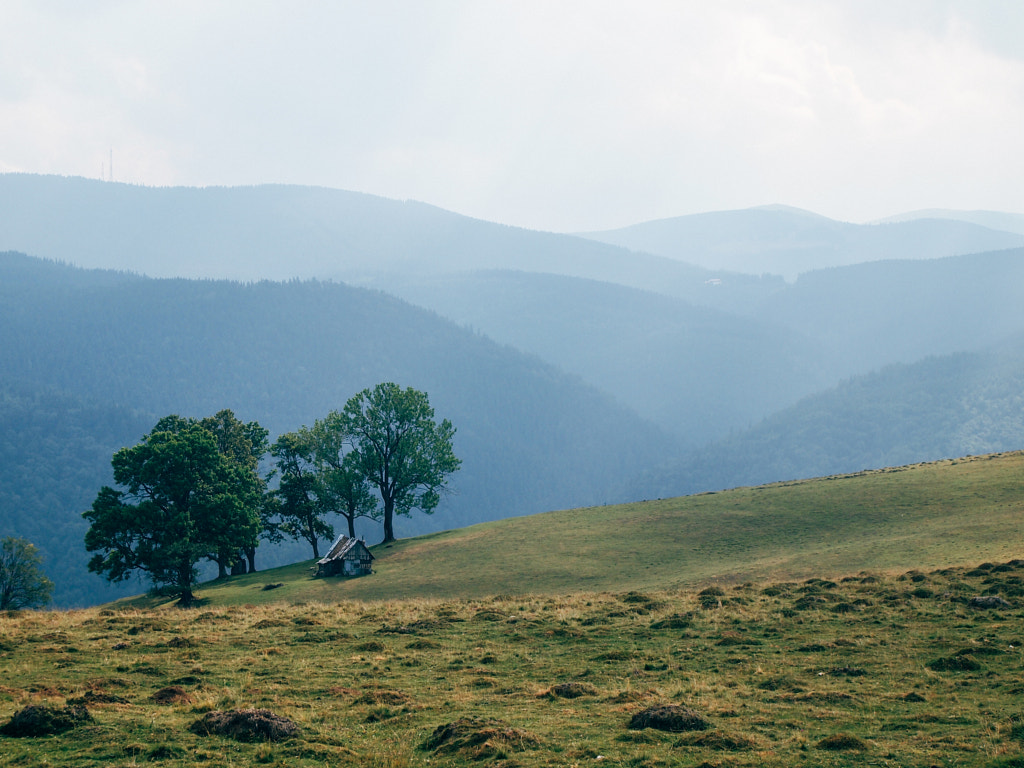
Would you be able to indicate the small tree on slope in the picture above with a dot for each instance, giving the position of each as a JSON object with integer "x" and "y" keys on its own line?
{"x": 22, "y": 582}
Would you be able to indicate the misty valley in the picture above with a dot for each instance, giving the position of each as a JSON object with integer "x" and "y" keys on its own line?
{"x": 577, "y": 372}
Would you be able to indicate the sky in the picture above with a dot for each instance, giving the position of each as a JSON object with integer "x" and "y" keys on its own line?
{"x": 571, "y": 115}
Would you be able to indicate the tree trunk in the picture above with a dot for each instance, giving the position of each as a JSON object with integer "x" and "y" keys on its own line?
{"x": 389, "y": 515}
{"x": 351, "y": 519}
{"x": 185, "y": 596}
{"x": 250, "y": 555}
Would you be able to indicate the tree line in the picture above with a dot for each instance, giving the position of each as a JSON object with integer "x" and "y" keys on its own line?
{"x": 193, "y": 489}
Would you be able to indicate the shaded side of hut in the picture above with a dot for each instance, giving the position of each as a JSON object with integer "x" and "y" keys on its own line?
{"x": 346, "y": 557}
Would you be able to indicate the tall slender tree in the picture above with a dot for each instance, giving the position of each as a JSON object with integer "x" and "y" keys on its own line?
{"x": 298, "y": 501}
{"x": 342, "y": 486}
{"x": 400, "y": 449}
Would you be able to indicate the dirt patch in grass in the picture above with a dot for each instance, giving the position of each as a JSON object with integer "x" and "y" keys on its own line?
{"x": 990, "y": 602}
{"x": 172, "y": 694}
{"x": 718, "y": 740}
{"x": 44, "y": 720}
{"x": 675, "y": 621}
{"x": 631, "y": 697}
{"x": 825, "y": 697}
{"x": 669, "y": 717}
{"x": 166, "y": 752}
{"x": 784, "y": 683}
{"x": 89, "y": 698}
{"x": 479, "y": 739}
{"x": 489, "y": 615}
{"x": 570, "y": 690}
{"x": 371, "y": 646}
{"x": 954, "y": 664}
{"x": 614, "y": 656}
{"x": 378, "y": 696}
{"x": 422, "y": 644}
{"x": 245, "y": 725}
{"x": 842, "y": 742}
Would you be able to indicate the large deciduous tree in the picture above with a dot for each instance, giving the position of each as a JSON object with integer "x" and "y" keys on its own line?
{"x": 22, "y": 582}
{"x": 183, "y": 500}
{"x": 400, "y": 449}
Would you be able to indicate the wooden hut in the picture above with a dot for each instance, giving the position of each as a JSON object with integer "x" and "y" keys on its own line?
{"x": 346, "y": 557}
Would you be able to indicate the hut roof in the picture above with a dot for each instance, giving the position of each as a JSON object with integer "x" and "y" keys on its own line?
{"x": 341, "y": 547}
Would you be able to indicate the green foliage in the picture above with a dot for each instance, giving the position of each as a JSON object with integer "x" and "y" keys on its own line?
{"x": 22, "y": 581}
{"x": 400, "y": 448}
{"x": 298, "y": 494}
{"x": 184, "y": 500}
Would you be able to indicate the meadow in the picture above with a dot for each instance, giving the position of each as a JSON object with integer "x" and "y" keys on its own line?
{"x": 781, "y": 632}
{"x": 868, "y": 670}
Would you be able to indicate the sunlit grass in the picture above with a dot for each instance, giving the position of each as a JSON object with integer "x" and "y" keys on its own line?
{"x": 777, "y": 668}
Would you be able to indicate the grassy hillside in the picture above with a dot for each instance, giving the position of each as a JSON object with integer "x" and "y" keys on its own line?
{"x": 594, "y": 652}
{"x": 925, "y": 516}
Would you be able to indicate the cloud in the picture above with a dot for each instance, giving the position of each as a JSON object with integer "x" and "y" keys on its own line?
{"x": 569, "y": 115}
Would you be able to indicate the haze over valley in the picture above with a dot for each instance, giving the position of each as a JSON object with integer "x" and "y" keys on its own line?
{"x": 576, "y": 372}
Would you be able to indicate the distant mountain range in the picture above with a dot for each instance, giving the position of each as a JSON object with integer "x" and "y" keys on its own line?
{"x": 577, "y": 372}
{"x": 1007, "y": 222}
{"x": 789, "y": 241}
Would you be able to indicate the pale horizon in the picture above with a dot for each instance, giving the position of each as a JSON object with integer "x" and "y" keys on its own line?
{"x": 562, "y": 117}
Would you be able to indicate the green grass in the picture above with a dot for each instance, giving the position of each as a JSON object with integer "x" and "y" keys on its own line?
{"x": 810, "y": 673}
{"x": 819, "y": 623}
{"x": 923, "y": 516}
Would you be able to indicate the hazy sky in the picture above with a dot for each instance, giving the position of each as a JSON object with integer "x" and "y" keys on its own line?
{"x": 551, "y": 115}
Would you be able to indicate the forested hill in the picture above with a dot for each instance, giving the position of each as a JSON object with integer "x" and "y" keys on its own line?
{"x": 942, "y": 407}
{"x": 531, "y": 438}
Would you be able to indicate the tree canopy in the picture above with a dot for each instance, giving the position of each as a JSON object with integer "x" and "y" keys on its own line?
{"x": 298, "y": 496}
{"x": 183, "y": 500}
{"x": 399, "y": 448}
